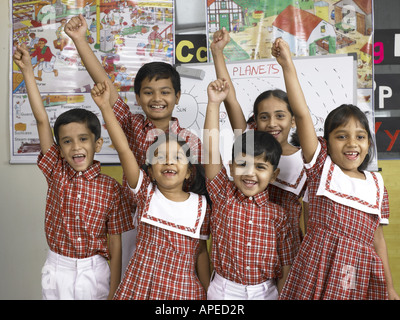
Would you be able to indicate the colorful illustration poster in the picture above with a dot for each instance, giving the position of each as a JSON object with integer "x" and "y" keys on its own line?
{"x": 311, "y": 28}
{"x": 124, "y": 35}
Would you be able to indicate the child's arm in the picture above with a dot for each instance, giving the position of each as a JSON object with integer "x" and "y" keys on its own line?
{"x": 203, "y": 265}
{"x": 305, "y": 127}
{"x": 23, "y": 60}
{"x": 381, "y": 250}
{"x": 236, "y": 117}
{"x": 115, "y": 245}
{"x": 101, "y": 95}
{"x": 217, "y": 91}
{"x": 76, "y": 29}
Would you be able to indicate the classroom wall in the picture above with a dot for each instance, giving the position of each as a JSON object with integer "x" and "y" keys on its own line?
{"x": 22, "y": 200}
{"x": 23, "y": 192}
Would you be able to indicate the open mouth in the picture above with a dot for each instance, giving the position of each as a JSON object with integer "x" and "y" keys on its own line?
{"x": 78, "y": 158}
{"x": 249, "y": 183}
{"x": 158, "y": 107}
{"x": 169, "y": 173}
{"x": 274, "y": 133}
{"x": 352, "y": 155}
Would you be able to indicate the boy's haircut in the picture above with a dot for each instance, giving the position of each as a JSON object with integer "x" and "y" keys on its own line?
{"x": 340, "y": 116}
{"x": 277, "y": 93}
{"x": 80, "y": 116}
{"x": 157, "y": 70}
{"x": 255, "y": 143}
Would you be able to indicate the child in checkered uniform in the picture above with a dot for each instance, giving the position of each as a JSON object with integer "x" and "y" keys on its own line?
{"x": 252, "y": 239}
{"x": 171, "y": 259}
{"x": 271, "y": 113}
{"x": 157, "y": 89}
{"x": 84, "y": 208}
{"x": 343, "y": 254}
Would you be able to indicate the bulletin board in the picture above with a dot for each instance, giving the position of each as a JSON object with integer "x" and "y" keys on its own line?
{"x": 123, "y": 34}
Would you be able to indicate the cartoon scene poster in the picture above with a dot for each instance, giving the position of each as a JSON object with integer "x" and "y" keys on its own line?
{"x": 310, "y": 27}
{"x": 124, "y": 35}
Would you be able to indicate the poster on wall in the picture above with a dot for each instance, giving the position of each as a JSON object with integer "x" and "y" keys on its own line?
{"x": 123, "y": 34}
{"x": 311, "y": 28}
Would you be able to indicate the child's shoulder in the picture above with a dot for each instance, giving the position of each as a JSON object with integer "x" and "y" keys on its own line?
{"x": 105, "y": 179}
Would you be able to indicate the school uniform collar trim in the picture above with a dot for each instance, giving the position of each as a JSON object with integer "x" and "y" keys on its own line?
{"x": 90, "y": 173}
{"x": 365, "y": 195}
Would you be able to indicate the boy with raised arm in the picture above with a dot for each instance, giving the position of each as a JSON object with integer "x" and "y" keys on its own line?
{"x": 252, "y": 238}
{"x": 85, "y": 212}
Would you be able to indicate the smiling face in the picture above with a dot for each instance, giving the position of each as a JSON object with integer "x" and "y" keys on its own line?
{"x": 348, "y": 146}
{"x": 251, "y": 174}
{"x": 158, "y": 98}
{"x": 169, "y": 167}
{"x": 78, "y": 145}
{"x": 274, "y": 117}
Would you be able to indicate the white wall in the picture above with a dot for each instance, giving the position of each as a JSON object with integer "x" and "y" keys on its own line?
{"x": 22, "y": 200}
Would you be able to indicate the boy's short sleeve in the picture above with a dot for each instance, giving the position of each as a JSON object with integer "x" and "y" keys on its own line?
{"x": 219, "y": 187}
{"x": 49, "y": 161}
{"x": 120, "y": 214}
{"x": 121, "y": 111}
{"x": 285, "y": 242}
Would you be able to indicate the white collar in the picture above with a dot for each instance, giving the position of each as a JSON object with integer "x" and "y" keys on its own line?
{"x": 181, "y": 217}
{"x": 292, "y": 175}
{"x": 365, "y": 195}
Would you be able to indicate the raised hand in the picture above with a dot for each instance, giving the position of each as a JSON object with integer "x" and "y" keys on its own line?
{"x": 101, "y": 94}
{"x": 220, "y": 39}
{"x": 76, "y": 28}
{"x": 217, "y": 91}
{"x": 22, "y": 58}
{"x": 281, "y": 51}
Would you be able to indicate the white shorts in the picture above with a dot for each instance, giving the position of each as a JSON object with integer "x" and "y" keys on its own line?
{"x": 223, "y": 289}
{"x": 65, "y": 278}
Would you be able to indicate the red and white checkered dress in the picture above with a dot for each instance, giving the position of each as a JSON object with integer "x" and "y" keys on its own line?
{"x": 164, "y": 263}
{"x": 337, "y": 259}
{"x": 251, "y": 236}
{"x": 288, "y": 192}
{"x": 81, "y": 208}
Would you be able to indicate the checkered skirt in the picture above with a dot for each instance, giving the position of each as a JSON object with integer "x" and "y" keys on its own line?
{"x": 337, "y": 259}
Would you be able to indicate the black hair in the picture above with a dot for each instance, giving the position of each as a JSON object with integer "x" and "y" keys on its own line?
{"x": 339, "y": 117}
{"x": 277, "y": 93}
{"x": 294, "y": 139}
{"x": 80, "y": 116}
{"x": 256, "y": 143}
{"x": 157, "y": 70}
{"x": 196, "y": 182}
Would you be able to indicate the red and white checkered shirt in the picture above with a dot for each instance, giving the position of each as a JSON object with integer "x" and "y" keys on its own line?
{"x": 81, "y": 207}
{"x": 141, "y": 133}
{"x": 252, "y": 238}
{"x": 164, "y": 262}
{"x": 289, "y": 201}
{"x": 337, "y": 259}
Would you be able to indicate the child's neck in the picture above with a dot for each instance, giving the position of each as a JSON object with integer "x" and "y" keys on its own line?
{"x": 288, "y": 149}
{"x": 354, "y": 174}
